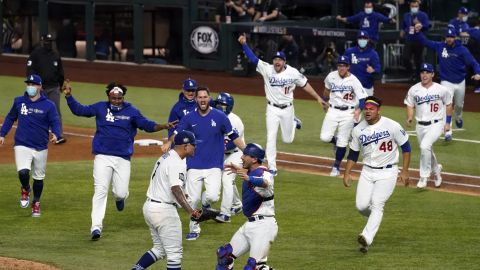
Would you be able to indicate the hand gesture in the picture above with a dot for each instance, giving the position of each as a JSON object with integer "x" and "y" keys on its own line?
{"x": 418, "y": 27}
{"x": 356, "y": 116}
{"x": 53, "y": 139}
{"x": 242, "y": 39}
{"x": 166, "y": 146}
{"x": 476, "y": 77}
{"x": 170, "y": 125}
{"x": 404, "y": 177}
{"x": 232, "y": 168}
{"x": 2, "y": 140}
{"x": 196, "y": 213}
{"x": 370, "y": 69}
{"x": 66, "y": 88}
{"x": 347, "y": 179}
{"x": 409, "y": 122}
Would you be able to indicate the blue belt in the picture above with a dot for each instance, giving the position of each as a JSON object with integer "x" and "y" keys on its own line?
{"x": 255, "y": 218}
{"x": 379, "y": 168}
{"x": 281, "y": 106}
{"x": 342, "y": 108}
{"x": 428, "y": 123}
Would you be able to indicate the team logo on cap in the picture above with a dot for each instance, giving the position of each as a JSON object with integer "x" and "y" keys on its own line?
{"x": 425, "y": 66}
{"x": 185, "y": 140}
{"x": 31, "y": 78}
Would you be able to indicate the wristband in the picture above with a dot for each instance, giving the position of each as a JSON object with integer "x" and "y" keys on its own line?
{"x": 256, "y": 181}
{"x": 449, "y": 119}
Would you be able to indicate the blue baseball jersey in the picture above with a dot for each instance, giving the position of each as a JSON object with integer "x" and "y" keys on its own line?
{"x": 452, "y": 60}
{"x": 180, "y": 109}
{"x": 459, "y": 25}
{"x": 369, "y": 22}
{"x": 258, "y": 200}
{"x": 34, "y": 118}
{"x": 408, "y": 25}
{"x": 209, "y": 130}
{"x": 359, "y": 60}
{"x": 474, "y": 33}
{"x": 116, "y": 129}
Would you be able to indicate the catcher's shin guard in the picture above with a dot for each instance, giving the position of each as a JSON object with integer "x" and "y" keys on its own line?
{"x": 225, "y": 257}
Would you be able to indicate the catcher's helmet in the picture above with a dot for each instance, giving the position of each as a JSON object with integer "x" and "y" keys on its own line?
{"x": 224, "y": 99}
{"x": 254, "y": 150}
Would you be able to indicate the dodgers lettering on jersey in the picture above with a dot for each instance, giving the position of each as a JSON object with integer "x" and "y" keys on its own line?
{"x": 279, "y": 87}
{"x": 344, "y": 91}
{"x": 170, "y": 170}
{"x": 379, "y": 142}
{"x": 116, "y": 130}
{"x": 209, "y": 130}
{"x": 238, "y": 127}
{"x": 253, "y": 197}
{"x": 34, "y": 120}
{"x": 429, "y": 103}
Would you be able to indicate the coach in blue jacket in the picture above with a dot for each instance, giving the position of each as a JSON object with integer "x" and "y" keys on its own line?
{"x": 112, "y": 145}
{"x": 35, "y": 115}
{"x": 185, "y": 104}
{"x": 364, "y": 61}
{"x": 453, "y": 58}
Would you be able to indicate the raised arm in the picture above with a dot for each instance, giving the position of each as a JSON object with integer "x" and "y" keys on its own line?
{"x": 242, "y": 39}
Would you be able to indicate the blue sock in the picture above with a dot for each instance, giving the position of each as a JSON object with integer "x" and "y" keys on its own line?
{"x": 334, "y": 140}
{"x": 339, "y": 156}
{"x": 146, "y": 260}
{"x": 37, "y": 189}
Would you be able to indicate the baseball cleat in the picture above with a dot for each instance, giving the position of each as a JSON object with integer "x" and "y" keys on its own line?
{"x": 438, "y": 176}
{"x": 192, "y": 236}
{"x": 236, "y": 210}
{"x": 120, "y": 204}
{"x": 363, "y": 243}
{"x": 422, "y": 182}
{"x": 448, "y": 137}
{"x": 25, "y": 198}
{"x": 36, "y": 209}
{"x": 459, "y": 123}
{"x": 335, "y": 172}
{"x": 222, "y": 218}
{"x": 61, "y": 140}
{"x": 298, "y": 123}
{"x": 96, "y": 234}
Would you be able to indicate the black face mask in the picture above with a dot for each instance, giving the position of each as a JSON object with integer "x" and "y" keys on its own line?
{"x": 47, "y": 45}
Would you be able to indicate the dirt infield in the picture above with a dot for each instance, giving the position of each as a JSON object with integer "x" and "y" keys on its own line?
{"x": 11, "y": 263}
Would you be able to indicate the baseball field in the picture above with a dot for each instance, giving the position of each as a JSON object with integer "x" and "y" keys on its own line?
{"x": 318, "y": 222}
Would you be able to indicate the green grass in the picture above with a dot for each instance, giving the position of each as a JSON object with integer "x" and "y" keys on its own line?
{"x": 317, "y": 230}
{"x": 318, "y": 223}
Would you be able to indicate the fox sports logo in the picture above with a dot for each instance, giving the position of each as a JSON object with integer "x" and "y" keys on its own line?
{"x": 204, "y": 40}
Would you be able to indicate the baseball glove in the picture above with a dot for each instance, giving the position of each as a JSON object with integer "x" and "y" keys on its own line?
{"x": 207, "y": 214}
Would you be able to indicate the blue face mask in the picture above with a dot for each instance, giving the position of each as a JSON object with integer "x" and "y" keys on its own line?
{"x": 115, "y": 108}
{"x": 362, "y": 43}
{"x": 31, "y": 90}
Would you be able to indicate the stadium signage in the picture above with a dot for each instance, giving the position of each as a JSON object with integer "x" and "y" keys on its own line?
{"x": 204, "y": 39}
{"x": 267, "y": 29}
{"x": 328, "y": 33}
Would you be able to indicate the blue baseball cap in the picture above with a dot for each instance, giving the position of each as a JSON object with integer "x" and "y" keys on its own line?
{"x": 426, "y": 67}
{"x": 362, "y": 34}
{"x": 463, "y": 10}
{"x": 189, "y": 85}
{"x": 343, "y": 59}
{"x": 280, "y": 55}
{"x": 451, "y": 32}
{"x": 185, "y": 137}
{"x": 34, "y": 78}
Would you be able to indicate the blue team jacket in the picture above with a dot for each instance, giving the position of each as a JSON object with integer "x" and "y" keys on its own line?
{"x": 116, "y": 130}
{"x": 359, "y": 61}
{"x": 408, "y": 21}
{"x": 369, "y": 22}
{"x": 34, "y": 120}
{"x": 180, "y": 109}
{"x": 459, "y": 25}
{"x": 452, "y": 60}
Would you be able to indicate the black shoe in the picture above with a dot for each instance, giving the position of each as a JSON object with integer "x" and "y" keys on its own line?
{"x": 120, "y": 204}
{"x": 61, "y": 140}
{"x": 96, "y": 234}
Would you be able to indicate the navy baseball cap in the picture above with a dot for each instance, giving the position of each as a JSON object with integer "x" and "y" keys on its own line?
{"x": 189, "y": 85}
{"x": 451, "y": 32}
{"x": 185, "y": 137}
{"x": 47, "y": 37}
{"x": 280, "y": 55}
{"x": 343, "y": 59}
{"x": 463, "y": 10}
{"x": 362, "y": 34}
{"x": 426, "y": 67}
{"x": 34, "y": 78}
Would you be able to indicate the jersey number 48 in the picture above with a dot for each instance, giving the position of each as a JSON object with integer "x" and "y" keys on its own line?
{"x": 386, "y": 146}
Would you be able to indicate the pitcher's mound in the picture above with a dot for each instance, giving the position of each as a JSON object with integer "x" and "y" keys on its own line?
{"x": 11, "y": 263}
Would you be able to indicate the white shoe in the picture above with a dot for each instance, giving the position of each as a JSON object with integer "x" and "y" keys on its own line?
{"x": 335, "y": 172}
{"x": 438, "y": 176}
{"x": 422, "y": 183}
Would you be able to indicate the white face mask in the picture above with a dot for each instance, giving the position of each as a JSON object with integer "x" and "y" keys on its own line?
{"x": 414, "y": 10}
{"x": 465, "y": 18}
{"x": 31, "y": 90}
{"x": 368, "y": 10}
{"x": 362, "y": 43}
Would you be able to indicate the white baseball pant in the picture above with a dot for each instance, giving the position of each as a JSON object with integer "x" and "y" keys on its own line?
{"x": 25, "y": 157}
{"x": 256, "y": 236}
{"x": 285, "y": 119}
{"x": 337, "y": 119}
{"x": 458, "y": 90}
{"x": 369, "y": 91}
{"x": 166, "y": 230}
{"x": 230, "y": 195}
{"x": 427, "y": 136}
{"x": 374, "y": 188}
{"x": 195, "y": 179}
{"x": 105, "y": 169}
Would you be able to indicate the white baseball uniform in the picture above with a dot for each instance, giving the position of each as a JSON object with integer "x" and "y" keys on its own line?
{"x": 160, "y": 209}
{"x": 279, "y": 89}
{"x": 230, "y": 196}
{"x": 26, "y": 156}
{"x": 345, "y": 94}
{"x": 457, "y": 91}
{"x": 430, "y": 112}
{"x": 379, "y": 144}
